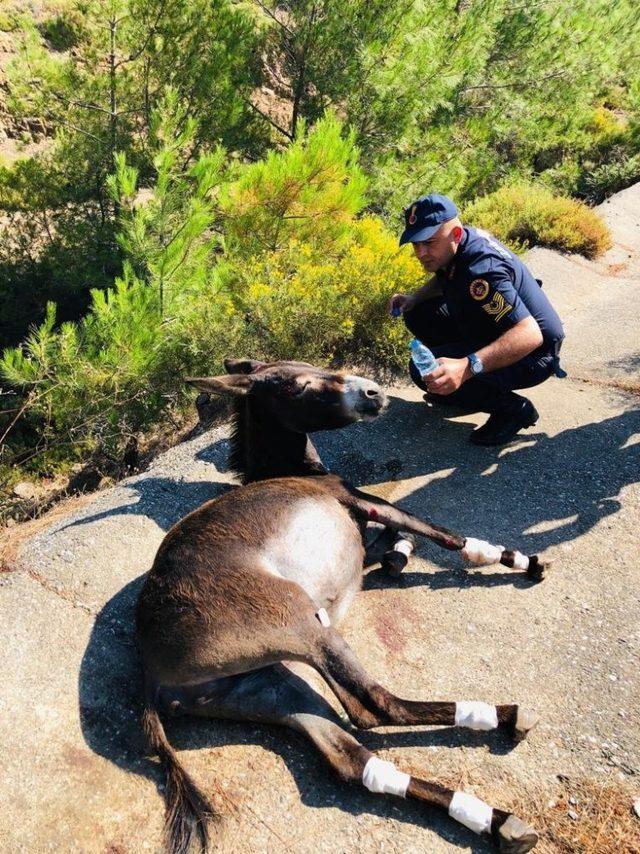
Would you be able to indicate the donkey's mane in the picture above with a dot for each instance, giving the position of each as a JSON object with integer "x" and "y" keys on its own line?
{"x": 260, "y": 447}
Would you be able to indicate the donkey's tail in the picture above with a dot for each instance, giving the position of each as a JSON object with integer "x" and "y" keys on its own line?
{"x": 187, "y": 812}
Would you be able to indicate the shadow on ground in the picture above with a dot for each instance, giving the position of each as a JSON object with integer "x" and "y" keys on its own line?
{"x": 110, "y": 710}
{"x": 537, "y": 494}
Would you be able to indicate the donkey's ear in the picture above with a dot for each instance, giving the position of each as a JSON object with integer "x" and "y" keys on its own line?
{"x": 236, "y": 384}
{"x": 242, "y": 366}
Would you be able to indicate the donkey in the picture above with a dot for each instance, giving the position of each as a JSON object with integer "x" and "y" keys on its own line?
{"x": 247, "y": 588}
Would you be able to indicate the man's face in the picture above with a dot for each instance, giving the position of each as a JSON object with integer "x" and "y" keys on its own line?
{"x": 436, "y": 252}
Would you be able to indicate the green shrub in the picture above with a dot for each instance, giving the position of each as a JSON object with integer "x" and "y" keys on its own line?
{"x": 9, "y": 20}
{"x": 596, "y": 183}
{"x": 524, "y": 215}
{"x": 311, "y": 191}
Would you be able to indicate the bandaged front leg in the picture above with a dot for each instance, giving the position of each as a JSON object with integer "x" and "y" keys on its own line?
{"x": 480, "y": 552}
{"x": 483, "y": 553}
{"x": 395, "y": 560}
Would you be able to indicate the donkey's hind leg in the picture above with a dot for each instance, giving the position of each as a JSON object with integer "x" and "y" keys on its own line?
{"x": 368, "y": 704}
{"x": 278, "y": 695}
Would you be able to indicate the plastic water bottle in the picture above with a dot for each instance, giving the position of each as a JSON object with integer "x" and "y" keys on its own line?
{"x": 422, "y": 358}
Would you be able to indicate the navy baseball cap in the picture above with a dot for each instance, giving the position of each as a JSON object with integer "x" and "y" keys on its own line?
{"x": 425, "y": 216}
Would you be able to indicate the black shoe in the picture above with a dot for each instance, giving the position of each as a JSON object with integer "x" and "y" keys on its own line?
{"x": 504, "y": 426}
{"x": 443, "y": 401}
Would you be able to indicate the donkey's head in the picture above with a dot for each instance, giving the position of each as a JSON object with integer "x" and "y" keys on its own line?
{"x": 298, "y": 396}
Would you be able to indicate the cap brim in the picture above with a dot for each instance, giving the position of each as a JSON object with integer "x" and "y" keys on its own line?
{"x": 410, "y": 235}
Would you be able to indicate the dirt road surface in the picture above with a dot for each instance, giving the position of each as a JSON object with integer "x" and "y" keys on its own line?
{"x": 75, "y": 776}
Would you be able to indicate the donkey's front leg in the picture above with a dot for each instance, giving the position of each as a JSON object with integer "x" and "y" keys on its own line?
{"x": 478, "y": 552}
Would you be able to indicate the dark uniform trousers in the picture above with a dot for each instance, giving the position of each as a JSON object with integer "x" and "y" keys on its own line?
{"x": 489, "y": 392}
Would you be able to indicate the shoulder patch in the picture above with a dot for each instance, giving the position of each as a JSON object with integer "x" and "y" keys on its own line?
{"x": 479, "y": 288}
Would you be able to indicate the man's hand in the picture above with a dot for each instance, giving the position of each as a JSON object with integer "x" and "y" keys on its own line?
{"x": 448, "y": 376}
{"x": 401, "y": 302}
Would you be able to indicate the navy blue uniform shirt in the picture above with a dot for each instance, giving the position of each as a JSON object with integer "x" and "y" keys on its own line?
{"x": 488, "y": 290}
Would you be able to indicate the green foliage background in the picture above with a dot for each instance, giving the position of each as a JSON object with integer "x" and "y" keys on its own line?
{"x": 226, "y": 177}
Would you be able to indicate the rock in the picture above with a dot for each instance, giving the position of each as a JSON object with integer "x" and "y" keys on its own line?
{"x": 573, "y": 815}
{"x": 636, "y": 807}
{"x": 25, "y": 490}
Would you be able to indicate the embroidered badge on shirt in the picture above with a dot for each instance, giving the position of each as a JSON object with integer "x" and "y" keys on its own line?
{"x": 479, "y": 289}
{"x": 498, "y": 307}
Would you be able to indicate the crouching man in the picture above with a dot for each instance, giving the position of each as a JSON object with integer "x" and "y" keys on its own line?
{"x": 483, "y": 315}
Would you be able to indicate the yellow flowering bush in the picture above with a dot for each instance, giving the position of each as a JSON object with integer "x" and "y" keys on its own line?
{"x": 301, "y": 303}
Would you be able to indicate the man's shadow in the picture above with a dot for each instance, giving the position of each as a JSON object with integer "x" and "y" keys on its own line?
{"x": 562, "y": 485}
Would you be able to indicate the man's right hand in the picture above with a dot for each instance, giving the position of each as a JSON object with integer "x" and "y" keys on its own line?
{"x": 401, "y": 302}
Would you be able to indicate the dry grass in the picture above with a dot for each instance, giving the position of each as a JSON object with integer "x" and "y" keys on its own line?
{"x": 603, "y": 822}
{"x": 577, "y": 815}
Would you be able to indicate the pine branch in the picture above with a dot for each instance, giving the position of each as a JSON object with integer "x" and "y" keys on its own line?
{"x": 267, "y": 118}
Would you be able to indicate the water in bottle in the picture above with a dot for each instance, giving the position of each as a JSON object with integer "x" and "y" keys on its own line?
{"x": 422, "y": 358}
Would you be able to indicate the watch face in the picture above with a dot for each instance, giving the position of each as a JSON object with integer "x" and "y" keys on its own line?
{"x": 475, "y": 364}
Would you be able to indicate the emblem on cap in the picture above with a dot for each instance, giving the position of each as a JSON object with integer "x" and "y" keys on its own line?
{"x": 479, "y": 289}
{"x": 412, "y": 215}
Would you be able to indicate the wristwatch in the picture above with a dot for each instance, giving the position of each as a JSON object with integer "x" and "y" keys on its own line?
{"x": 475, "y": 364}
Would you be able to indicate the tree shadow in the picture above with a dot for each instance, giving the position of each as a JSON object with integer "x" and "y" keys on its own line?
{"x": 542, "y": 492}
{"x": 538, "y": 492}
{"x": 628, "y": 363}
{"x": 165, "y": 500}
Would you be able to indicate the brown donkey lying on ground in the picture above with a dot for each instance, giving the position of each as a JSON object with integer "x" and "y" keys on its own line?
{"x": 250, "y": 583}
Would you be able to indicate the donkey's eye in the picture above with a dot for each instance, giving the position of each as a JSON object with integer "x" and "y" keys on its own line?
{"x": 300, "y": 388}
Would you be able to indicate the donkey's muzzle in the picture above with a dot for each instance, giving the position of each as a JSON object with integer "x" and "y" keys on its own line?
{"x": 365, "y": 397}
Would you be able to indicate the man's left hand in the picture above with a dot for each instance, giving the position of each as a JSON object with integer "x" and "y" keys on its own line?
{"x": 448, "y": 376}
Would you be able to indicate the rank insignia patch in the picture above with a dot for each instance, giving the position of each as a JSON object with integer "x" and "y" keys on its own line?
{"x": 479, "y": 289}
{"x": 498, "y": 307}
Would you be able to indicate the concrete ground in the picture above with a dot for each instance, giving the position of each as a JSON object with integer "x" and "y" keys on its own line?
{"x": 75, "y": 777}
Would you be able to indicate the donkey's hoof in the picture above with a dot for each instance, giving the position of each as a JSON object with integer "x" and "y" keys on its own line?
{"x": 538, "y": 568}
{"x": 394, "y": 562}
{"x": 526, "y": 720}
{"x": 515, "y": 837}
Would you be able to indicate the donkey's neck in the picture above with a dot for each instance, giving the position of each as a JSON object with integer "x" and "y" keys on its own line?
{"x": 263, "y": 448}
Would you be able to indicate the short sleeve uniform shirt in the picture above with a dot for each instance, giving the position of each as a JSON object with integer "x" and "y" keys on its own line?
{"x": 488, "y": 290}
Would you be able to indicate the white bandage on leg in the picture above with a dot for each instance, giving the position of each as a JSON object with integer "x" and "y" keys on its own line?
{"x": 520, "y": 561}
{"x": 322, "y": 615}
{"x": 384, "y": 777}
{"x": 474, "y": 715}
{"x": 405, "y": 547}
{"x": 471, "y": 811}
{"x": 481, "y": 552}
